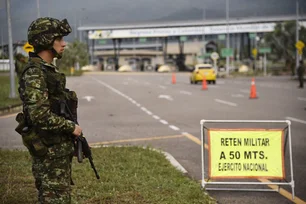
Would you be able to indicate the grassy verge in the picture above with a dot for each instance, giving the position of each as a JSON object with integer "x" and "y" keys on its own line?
{"x": 128, "y": 175}
{"x": 5, "y": 92}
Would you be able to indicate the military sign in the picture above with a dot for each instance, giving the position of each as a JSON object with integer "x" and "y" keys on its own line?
{"x": 28, "y": 48}
{"x": 246, "y": 153}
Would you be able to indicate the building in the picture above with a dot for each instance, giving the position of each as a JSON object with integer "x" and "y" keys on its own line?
{"x": 163, "y": 42}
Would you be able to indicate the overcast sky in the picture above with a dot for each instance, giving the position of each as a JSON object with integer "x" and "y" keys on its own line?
{"x": 89, "y": 12}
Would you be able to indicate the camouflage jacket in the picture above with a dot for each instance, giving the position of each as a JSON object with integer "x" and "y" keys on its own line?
{"x": 41, "y": 87}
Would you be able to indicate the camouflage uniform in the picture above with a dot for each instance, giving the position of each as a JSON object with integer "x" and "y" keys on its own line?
{"x": 46, "y": 134}
{"x": 20, "y": 62}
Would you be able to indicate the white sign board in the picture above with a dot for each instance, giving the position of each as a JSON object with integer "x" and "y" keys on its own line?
{"x": 180, "y": 31}
{"x": 214, "y": 56}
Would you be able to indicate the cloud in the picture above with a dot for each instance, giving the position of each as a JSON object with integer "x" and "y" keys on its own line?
{"x": 23, "y": 12}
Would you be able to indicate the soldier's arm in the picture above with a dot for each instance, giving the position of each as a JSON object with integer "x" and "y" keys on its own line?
{"x": 36, "y": 100}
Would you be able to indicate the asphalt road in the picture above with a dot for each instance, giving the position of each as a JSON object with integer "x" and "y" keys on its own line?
{"x": 147, "y": 109}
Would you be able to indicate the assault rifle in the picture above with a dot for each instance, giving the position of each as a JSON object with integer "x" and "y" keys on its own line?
{"x": 83, "y": 149}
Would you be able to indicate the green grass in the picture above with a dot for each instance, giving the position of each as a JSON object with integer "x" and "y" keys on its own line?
{"x": 5, "y": 100}
{"x": 128, "y": 175}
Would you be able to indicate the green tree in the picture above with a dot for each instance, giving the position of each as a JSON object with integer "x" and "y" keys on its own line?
{"x": 282, "y": 41}
{"x": 74, "y": 52}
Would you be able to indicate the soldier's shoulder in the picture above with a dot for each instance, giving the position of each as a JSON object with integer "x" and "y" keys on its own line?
{"x": 33, "y": 69}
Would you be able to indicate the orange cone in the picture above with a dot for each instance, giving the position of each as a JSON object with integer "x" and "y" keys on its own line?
{"x": 253, "y": 90}
{"x": 204, "y": 84}
{"x": 173, "y": 78}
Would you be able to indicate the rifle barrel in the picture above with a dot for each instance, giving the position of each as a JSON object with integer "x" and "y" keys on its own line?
{"x": 93, "y": 167}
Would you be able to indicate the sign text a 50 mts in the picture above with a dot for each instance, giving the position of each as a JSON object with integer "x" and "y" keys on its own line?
{"x": 246, "y": 153}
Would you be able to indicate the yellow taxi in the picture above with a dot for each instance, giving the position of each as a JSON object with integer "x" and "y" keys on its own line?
{"x": 201, "y": 70}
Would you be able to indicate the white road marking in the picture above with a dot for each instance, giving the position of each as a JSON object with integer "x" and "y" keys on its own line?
{"x": 244, "y": 91}
{"x": 174, "y": 127}
{"x": 301, "y": 99}
{"x": 144, "y": 109}
{"x": 88, "y": 98}
{"x": 137, "y": 104}
{"x": 226, "y": 102}
{"x": 296, "y": 120}
{"x": 156, "y": 117}
{"x": 162, "y": 87}
{"x": 237, "y": 95}
{"x": 186, "y": 92}
{"x": 166, "y": 97}
{"x": 164, "y": 122}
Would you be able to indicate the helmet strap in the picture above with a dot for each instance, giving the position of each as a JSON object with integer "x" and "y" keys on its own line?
{"x": 57, "y": 55}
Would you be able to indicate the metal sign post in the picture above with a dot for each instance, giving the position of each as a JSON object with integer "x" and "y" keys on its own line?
{"x": 215, "y": 56}
{"x": 10, "y": 43}
{"x": 264, "y": 51}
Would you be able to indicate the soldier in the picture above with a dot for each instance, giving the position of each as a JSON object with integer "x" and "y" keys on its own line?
{"x": 48, "y": 136}
{"x": 20, "y": 62}
{"x": 300, "y": 71}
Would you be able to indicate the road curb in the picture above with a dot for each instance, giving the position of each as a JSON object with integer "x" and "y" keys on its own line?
{"x": 10, "y": 109}
{"x": 174, "y": 162}
{"x": 168, "y": 156}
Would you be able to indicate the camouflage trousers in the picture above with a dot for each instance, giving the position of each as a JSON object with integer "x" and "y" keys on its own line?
{"x": 53, "y": 178}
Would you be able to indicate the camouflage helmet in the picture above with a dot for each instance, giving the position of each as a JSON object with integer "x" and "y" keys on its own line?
{"x": 43, "y": 31}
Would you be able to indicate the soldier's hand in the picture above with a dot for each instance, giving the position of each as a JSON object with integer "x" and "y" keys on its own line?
{"x": 77, "y": 130}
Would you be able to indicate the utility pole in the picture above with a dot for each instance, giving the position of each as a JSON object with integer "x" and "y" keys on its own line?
{"x": 297, "y": 37}
{"x": 227, "y": 36}
{"x": 2, "y": 45}
{"x": 203, "y": 36}
{"x": 38, "y": 9}
{"x": 10, "y": 43}
{"x": 49, "y": 15}
{"x": 81, "y": 34}
{"x": 76, "y": 27}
